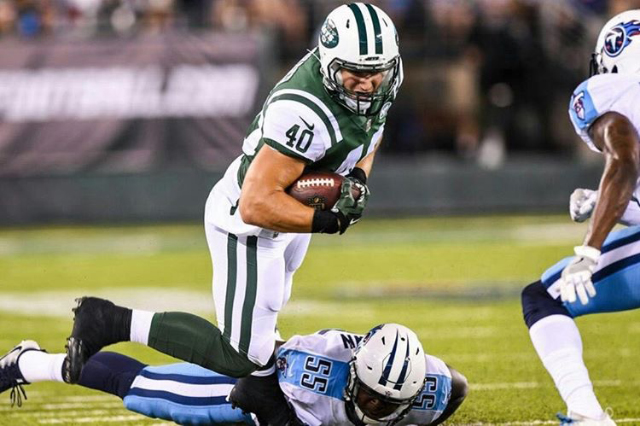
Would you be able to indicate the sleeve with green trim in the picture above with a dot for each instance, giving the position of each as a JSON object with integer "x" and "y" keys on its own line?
{"x": 601, "y": 94}
{"x": 296, "y": 130}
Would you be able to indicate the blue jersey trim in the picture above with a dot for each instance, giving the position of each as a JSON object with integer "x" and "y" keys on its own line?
{"x": 581, "y": 108}
{"x": 620, "y": 238}
{"x": 431, "y": 399}
{"x": 314, "y": 373}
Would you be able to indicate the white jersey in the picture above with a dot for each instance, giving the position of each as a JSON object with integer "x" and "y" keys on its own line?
{"x": 313, "y": 372}
{"x": 604, "y": 93}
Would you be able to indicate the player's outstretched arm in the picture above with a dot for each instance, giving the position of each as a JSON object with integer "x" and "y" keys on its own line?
{"x": 459, "y": 390}
{"x": 616, "y": 137}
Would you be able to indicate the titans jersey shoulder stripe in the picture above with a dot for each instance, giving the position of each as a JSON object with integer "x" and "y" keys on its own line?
{"x": 601, "y": 94}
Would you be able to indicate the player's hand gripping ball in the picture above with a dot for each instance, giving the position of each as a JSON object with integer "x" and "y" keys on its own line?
{"x": 320, "y": 190}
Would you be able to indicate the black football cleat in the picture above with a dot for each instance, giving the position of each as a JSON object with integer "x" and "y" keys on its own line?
{"x": 10, "y": 375}
{"x": 96, "y": 323}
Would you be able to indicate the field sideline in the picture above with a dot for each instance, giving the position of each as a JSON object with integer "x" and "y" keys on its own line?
{"x": 455, "y": 281}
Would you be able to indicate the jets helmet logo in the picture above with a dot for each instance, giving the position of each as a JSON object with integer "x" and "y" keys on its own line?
{"x": 619, "y": 37}
{"x": 578, "y": 105}
{"x": 329, "y": 34}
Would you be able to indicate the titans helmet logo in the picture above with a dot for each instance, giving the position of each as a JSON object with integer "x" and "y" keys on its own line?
{"x": 329, "y": 34}
{"x": 620, "y": 37}
{"x": 578, "y": 105}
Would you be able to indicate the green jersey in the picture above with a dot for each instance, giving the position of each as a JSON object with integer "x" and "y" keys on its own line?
{"x": 302, "y": 120}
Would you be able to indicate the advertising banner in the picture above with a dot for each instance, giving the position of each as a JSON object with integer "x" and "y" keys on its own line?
{"x": 125, "y": 105}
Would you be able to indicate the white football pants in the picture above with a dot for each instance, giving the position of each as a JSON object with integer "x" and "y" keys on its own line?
{"x": 252, "y": 279}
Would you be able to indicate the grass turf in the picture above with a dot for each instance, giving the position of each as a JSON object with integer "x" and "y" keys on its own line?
{"x": 455, "y": 281}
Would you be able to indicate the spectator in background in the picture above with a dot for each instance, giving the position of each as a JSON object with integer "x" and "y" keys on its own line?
{"x": 8, "y": 16}
{"x": 619, "y": 6}
{"x": 285, "y": 19}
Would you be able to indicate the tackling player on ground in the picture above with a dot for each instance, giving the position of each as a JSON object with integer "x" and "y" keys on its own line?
{"x": 328, "y": 113}
{"x": 328, "y": 378}
{"x": 602, "y": 276}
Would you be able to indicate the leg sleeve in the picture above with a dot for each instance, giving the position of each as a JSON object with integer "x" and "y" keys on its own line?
{"x": 110, "y": 372}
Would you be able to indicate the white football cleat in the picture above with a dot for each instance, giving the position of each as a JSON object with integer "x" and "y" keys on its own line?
{"x": 575, "y": 419}
{"x": 10, "y": 375}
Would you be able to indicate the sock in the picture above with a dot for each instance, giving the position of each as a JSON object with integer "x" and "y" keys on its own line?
{"x": 557, "y": 340}
{"x": 141, "y": 326}
{"x": 111, "y": 373}
{"x": 39, "y": 366}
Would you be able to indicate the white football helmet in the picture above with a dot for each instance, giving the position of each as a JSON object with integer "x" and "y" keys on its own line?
{"x": 360, "y": 37}
{"x": 389, "y": 365}
{"x": 618, "y": 46}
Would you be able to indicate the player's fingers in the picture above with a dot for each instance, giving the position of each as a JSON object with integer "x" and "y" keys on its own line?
{"x": 585, "y": 208}
{"x": 567, "y": 292}
{"x": 582, "y": 293}
{"x": 591, "y": 290}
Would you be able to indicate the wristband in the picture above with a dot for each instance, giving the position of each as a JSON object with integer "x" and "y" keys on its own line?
{"x": 588, "y": 252}
{"x": 325, "y": 222}
{"x": 359, "y": 174}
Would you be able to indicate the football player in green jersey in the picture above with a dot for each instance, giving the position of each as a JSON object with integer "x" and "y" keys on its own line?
{"x": 328, "y": 113}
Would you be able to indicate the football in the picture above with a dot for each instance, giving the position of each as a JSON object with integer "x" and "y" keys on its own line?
{"x": 320, "y": 190}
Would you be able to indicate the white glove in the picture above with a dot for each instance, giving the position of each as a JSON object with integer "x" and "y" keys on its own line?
{"x": 582, "y": 203}
{"x": 576, "y": 277}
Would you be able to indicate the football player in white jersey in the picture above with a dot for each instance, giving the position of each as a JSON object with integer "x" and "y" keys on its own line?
{"x": 602, "y": 276}
{"x": 328, "y": 113}
{"x": 329, "y": 378}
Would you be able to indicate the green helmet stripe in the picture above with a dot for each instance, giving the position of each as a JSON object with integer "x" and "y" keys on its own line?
{"x": 376, "y": 28}
{"x": 315, "y": 108}
{"x": 362, "y": 29}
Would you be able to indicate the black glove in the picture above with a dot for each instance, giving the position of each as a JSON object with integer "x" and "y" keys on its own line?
{"x": 358, "y": 174}
{"x": 263, "y": 397}
{"x": 347, "y": 210}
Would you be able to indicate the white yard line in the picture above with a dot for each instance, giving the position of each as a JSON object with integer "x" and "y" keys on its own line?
{"x": 537, "y": 422}
{"x": 76, "y": 420}
{"x": 532, "y": 385}
{"x": 59, "y": 303}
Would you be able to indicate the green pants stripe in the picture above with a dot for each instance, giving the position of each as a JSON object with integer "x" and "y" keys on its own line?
{"x": 232, "y": 268}
{"x": 250, "y": 294}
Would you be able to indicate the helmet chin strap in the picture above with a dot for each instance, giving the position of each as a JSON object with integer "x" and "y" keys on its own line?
{"x": 359, "y": 107}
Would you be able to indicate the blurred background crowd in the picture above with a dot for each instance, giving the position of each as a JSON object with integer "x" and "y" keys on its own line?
{"x": 485, "y": 78}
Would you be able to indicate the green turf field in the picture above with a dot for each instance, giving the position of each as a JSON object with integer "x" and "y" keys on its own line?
{"x": 455, "y": 281}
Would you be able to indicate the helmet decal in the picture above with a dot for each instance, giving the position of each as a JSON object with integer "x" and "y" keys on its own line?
{"x": 578, "y": 105}
{"x": 362, "y": 29}
{"x": 329, "y": 34}
{"x": 403, "y": 373}
{"x": 387, "y": 369}
{"x": 619, "y": 37}
{"x": 376, "y": 29}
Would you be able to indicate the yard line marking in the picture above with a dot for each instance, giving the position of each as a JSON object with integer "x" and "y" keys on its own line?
{"x": 538, "y": 422}
{"x": 59, "y": 303}
{"x": 75, "y": 420}
{"x": 63, "y": 406}
{"x": 531, "y": 385}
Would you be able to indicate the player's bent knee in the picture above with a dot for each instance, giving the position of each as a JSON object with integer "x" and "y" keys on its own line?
{"x": 537, "y": 303}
